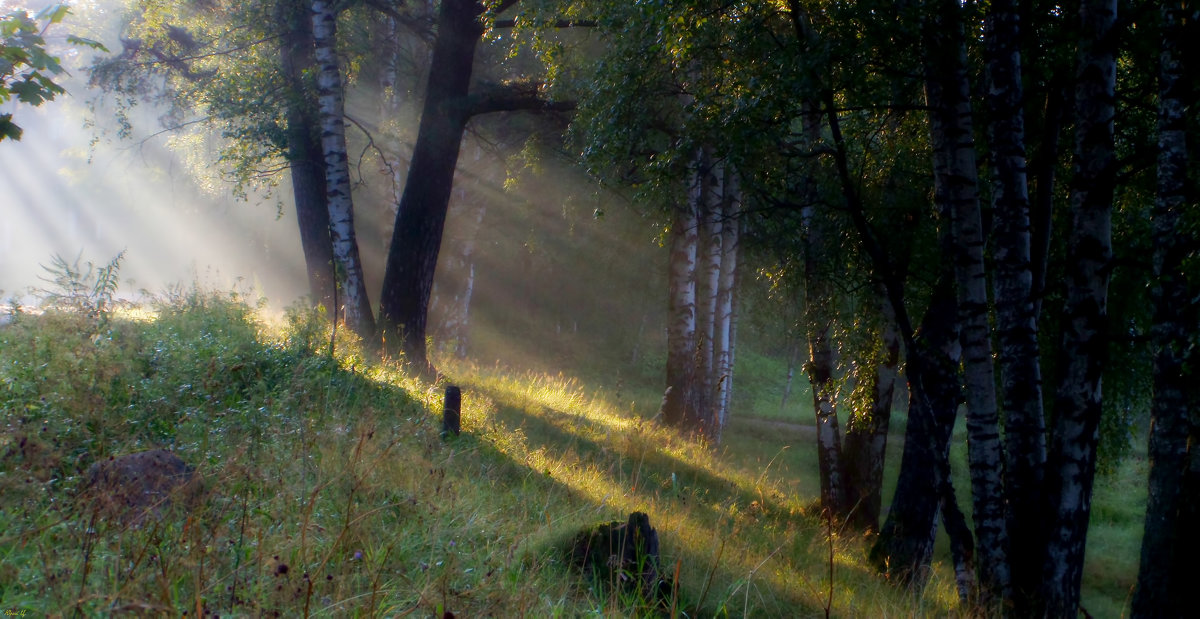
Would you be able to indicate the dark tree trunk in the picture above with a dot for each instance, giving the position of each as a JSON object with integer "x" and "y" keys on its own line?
{"x": 420, "y": 220}
{"x": 904, "y": 547}
{"x": 1016, "y": 323}
{"x": 1163, "y": 587}
{"x": 956, "y": 192}
{"x": 304, "y": 154}
{"x": 866, "y": 437}
{"x": 1072, "y": 460}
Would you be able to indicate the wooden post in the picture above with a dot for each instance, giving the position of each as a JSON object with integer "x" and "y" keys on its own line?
{"x": 452, "y": 411}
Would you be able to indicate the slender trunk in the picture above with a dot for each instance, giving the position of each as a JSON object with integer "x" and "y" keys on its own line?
{"x": 735, "y": 312}
{"x": 962, "y": 545}
{"x": 793, "y": 358}
{"x": 1162, "y": 588}
{"x": 818, "y": 319}
{"x": 680, "y": 400}
{"x": 723, "y": 344}
{"x": 304, "y": 155}
{"x": 1072, "y": 460}
{"x": 956, "y": 192}
{"x": 421, "y": 215}
{"x": 463, "y": 311}
{"x": 709, "y": 287}
{"x": 1016, "y": 323}
{"x": 356, "y": 306}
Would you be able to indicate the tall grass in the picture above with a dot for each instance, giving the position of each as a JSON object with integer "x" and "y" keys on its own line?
{"x": 328, "y": 490}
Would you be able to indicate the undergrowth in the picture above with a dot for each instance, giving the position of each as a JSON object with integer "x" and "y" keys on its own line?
{"x": 327, "y": 489}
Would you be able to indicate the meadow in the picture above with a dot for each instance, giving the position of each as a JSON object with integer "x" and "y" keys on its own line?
{"x": 328, "y": 489}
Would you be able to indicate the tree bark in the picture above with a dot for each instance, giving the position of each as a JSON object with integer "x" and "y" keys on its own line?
{"x": 421, "y": 217}
{"x": 724, "y": 344}
{"x": 1016, "y": 321}
{"x": 1072, "y": 461}
{"x": 956, "y": 193}
{"x": 904, "y": 548}
{"x": 818, "y": 319}
{"x": 304, "y": 154}
{"x": 865, "y": 444}
{"x": 356, "y": 306}
{"x": 709, "y": 285}
{"x": 1163, "y": 587}
{"x": 680, "y": 402}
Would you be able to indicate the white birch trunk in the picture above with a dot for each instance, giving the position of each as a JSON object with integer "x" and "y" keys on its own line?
{"x": 1077, "y": 406}
{"x": 356, "y": 307}
{"x": 708, "y": 291}
{"x": 679, "y": 401}
{"x": 723, "y": 344}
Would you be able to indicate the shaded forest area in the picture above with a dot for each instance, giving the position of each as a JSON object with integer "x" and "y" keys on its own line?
{"x": 994, "y": 201}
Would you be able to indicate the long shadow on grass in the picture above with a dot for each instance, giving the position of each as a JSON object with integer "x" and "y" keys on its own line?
{"x": 701, "y": 496}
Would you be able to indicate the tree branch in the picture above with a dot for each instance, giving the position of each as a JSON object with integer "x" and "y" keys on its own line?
{"x": 510, "y": 97}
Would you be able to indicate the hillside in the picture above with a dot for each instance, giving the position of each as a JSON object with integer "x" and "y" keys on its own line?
{"x": 327, "y": 489}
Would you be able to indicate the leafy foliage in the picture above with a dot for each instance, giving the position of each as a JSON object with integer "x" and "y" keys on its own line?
{"x": 27, "y": 68}
{"x": 87, "y": 289}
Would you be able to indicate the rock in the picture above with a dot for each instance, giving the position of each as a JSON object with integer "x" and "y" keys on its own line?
{"x": 622, "y": 554}
{"x": 130, "y": 487}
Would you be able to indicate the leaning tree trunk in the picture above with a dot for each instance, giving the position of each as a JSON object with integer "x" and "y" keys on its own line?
{"x": 1163, "y": 584}
{"x": 680, "y": 402}
{"x": 1016, "y": 321}
{"x": 421, "y": 218}
{"x": 304, "y": 154}
{"x": 353, "y": 286}
{"x": 1072, "y": 461}
{"x": 904, "y": 548}
{"x": 957, "y": 193}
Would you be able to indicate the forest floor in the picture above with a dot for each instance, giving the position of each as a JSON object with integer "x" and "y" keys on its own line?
{"x": 328, "y": 489}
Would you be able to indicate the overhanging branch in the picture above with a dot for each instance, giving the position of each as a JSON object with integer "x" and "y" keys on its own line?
{"x": 511, "y": 97}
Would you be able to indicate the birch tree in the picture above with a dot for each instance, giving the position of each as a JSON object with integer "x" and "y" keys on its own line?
{"x": 1016, "y": 322}
{"x": 956, "y": 194}
{"x": 681, "y": 401}
{"x": 354, "y": 306}
{"x": 1072, "y": 458}
{"x": 1168, "y": 543}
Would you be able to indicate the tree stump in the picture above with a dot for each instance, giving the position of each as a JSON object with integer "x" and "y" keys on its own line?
{"x": 624, "y": 555}
{"x": 452, "y": 411}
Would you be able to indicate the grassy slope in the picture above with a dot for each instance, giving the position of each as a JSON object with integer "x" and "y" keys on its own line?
{"x": 334, "y": 469}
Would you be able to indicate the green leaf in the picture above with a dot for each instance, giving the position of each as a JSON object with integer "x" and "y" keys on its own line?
{"x": 9, "y": 129}
{"x": 54, "y": 13}
{"x": 82, "y": 42}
